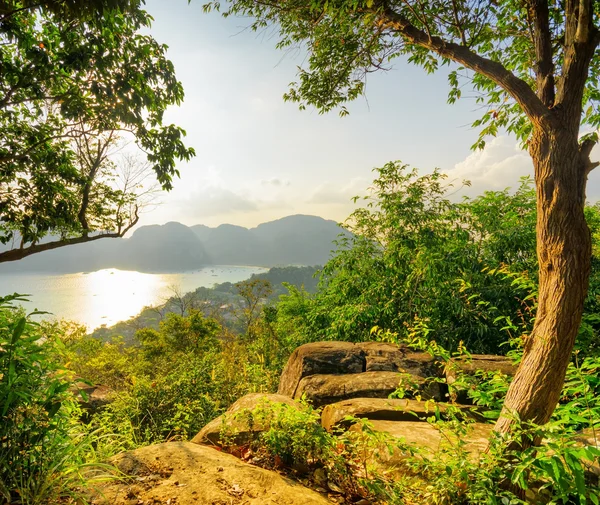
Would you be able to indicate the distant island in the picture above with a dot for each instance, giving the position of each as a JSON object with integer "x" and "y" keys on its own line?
{"x": 174, "y": 247}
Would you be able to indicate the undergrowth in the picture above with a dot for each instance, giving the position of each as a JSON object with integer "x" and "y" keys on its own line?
{"x": 47, "y": 455}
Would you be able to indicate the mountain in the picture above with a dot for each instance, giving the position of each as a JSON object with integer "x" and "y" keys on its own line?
{"x": 292, "y": 240}
{"x": 172, "y": 247}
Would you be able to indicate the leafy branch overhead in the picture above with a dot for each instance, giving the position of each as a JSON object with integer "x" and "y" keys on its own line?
{"x": 71, "y": 81}
{"x": 534, "y": 67}
{"x": 519, "y": 58}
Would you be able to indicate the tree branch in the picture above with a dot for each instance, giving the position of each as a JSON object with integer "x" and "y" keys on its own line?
{"x": 580, "y": 45}
{"x": 542, "y": 40}
{"x": 584, "y": 23}
{"x": 18, "y": 254}
{"x": 537, "y": 112}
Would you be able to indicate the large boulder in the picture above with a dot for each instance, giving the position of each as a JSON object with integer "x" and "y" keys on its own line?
{"x": 182, "y": 473}
{"x": 384, "y": 357}
{"x": 472, "y": 364}
{"x": 235, "y": 424}
{"x": 325, "y": 389}
{"x": 320, "y": 358}
{"x": 407, "y": 439}
{"x": 382, "y": 409}
{"x": 91, "y": 398}
{"x": 479, "y": 362}
{"x": 427, "y": 436}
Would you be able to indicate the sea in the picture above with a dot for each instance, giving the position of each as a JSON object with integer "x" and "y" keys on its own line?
{"x": 108, "y": 296}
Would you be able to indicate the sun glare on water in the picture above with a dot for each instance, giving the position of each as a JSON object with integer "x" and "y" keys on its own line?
{"x": 115, "y": 295}
{"x": 106, "y": 297}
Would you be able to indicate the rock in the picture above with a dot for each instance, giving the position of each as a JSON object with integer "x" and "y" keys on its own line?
{"x": 418, "y": 439}
{"x": 422, "y": 364}
{"x": 320, "y": 358}
{"x": 484, "y": 362}
{"x": 385, "y": 410}
{"x": 211, "y": 433}
{"x": 590, "y": 438}
{"x": 426, "y": 436}
{"x": 384, "y": 357}
{"x": 195, "y": 469}
{"x": 320, "y": 477}
{"x": 98, "y": 397}
{"x": 325, "y": 389}
{"x": 92, "y": 398}
{"x": 423, "y": 438}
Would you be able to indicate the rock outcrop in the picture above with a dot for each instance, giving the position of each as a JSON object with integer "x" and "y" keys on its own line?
{"x": 480, "y": 362}
{"x": 320, "y": 358}
{"x": 182, "y": 473}
{"x": 381, "y": 409}
{"x": 324, "y": 389}
{"x": 236, "y": 425}
{"x": 326, "y": 372}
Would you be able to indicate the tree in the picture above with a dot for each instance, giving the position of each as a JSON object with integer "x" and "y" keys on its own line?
{"x": 535, "y": 66}
{"x": 253, "y": 292}
{"x": 417, "y": 259}
{"x": 193, "y": 333}
{"x": 74, "y": 78}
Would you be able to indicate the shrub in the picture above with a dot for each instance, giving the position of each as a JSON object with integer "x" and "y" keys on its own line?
{"x": 44, "y": 449}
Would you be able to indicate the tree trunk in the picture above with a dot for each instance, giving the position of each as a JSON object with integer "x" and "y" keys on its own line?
{"x": 564, "y": 255}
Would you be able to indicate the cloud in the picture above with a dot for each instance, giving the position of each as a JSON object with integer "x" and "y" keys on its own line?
{"x": 496, "y": 167}
{"x": 214, "y": 201}
{"x": 214, "y": 198}
{"x": 500, "y": 165}
{"x": 275, "y": 181}
{"x": 331, "y": 193}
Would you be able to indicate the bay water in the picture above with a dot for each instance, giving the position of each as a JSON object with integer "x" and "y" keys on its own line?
{"x": 108, "y": 296}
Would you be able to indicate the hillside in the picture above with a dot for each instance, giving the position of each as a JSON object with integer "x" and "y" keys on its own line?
{"x": 292, "y": 240}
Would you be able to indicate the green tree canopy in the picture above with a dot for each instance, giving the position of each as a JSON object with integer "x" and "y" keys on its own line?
{"x": 534, "y": 65}
{"x": 71, "y": 84}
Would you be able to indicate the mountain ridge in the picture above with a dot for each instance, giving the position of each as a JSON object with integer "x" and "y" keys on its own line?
{"x": 174, "y": 247}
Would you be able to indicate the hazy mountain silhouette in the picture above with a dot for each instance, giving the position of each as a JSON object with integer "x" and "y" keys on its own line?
{"x": 292, "y": 240}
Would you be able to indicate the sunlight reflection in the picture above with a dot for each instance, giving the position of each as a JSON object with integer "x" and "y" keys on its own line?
{"x": 111, "y": 295}
{"x": 114, "y": 295}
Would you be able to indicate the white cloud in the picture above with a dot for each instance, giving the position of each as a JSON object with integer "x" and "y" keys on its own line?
{"x": 214, "y": 201}
{"x": 496, "y": 167}
{"x": 275, "y": 181}
{"x": 500, "y": 165}
{"x": 331, "y": 193}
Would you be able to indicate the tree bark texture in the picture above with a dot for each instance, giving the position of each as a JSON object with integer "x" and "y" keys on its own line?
{"x": 564, "y": 254}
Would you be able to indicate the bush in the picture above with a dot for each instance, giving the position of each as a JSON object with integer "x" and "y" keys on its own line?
{"x": 43, "y": 447}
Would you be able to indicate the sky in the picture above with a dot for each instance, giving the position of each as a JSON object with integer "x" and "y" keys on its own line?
{"x": 259, "y": 158}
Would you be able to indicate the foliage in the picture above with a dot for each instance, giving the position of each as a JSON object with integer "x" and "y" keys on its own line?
{"x": 44, "y": 449}
{"x": 176, "y": 379}
{"x": 173, "y": 406}
{"x": 284, "y": 436}
{"x": 253, "y": 293}
{"x": 192, "y": 334}
{"x": 292, "y": 439}
{"x": 299, "y": 277}
{"x": 506, "y": 52}
{"x": 467, "y": 269}
{"x": 417, "y": 256}
{"x": 69, "y": 88}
